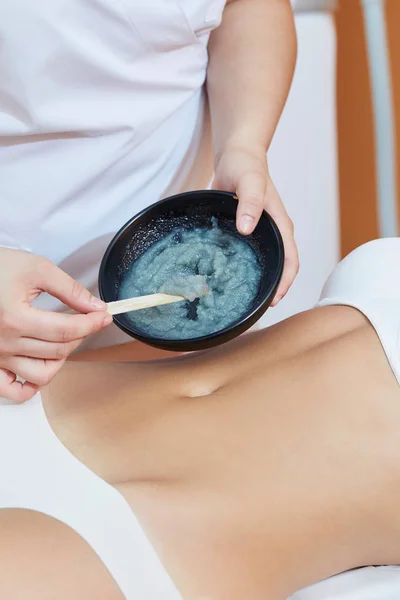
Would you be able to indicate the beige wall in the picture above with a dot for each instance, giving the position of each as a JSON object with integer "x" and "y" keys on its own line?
{"x": 356, "y": 152}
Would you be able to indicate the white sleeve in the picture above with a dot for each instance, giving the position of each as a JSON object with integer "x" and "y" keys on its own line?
{"x": 371, "y": 270}
{"x": 368, "y": 279}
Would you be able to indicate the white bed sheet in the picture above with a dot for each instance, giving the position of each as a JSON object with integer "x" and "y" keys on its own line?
{"x": 368, "y": 583}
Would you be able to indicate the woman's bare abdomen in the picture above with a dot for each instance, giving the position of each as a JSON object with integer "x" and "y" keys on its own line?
{"x": 264, "y": 465}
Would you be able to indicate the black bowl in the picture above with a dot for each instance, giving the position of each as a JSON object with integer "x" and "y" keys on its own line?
{"x": 188, "y": 211}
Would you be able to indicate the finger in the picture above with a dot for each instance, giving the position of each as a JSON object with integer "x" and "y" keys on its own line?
{"x": 58, "y": 327}
{"x": 33, "y": 348}
{"x": 251, "y": 191}
{"x": 285, "y": 225}
{"x": 35, "y": 370}
{"x": 291, "y": 263}
{"x": 57, "y": 283}
{"x": 289, "y": 274}
{"x": 14, "y": 390}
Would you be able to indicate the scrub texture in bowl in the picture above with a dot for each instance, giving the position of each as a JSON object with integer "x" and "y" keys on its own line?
{"x": 227, "y": 263}
{"x": 180, "y": 216}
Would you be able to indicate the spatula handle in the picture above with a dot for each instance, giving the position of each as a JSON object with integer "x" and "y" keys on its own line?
{"x": 130, "y": 304}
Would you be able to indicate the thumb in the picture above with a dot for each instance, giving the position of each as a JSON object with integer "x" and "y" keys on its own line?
{"x": 57, "y": 283}
{"x": 251, "y": 191}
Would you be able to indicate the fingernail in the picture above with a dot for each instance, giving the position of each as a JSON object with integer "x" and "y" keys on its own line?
{"x": 107, "y": 320}
{"x": 97, "y": 303}
{"x": 276, "y": 300}
{"x": 246, "y": 224}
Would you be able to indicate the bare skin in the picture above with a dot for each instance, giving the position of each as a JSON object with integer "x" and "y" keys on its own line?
{"x": 42, "y": 559}
{"x": 256, "y": 468}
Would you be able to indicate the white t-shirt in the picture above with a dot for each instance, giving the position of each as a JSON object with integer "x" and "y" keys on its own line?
{"x": 102, "y": 113}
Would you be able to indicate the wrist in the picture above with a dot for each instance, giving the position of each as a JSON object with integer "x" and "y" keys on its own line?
{"x": 241, "y": 143}
{"x": 246, "y": 152}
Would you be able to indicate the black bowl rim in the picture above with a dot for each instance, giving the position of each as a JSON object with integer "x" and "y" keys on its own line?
{"x": 228, "y": 332}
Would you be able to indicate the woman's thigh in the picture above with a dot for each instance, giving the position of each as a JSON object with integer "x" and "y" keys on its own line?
{"x": 42, "y": 559}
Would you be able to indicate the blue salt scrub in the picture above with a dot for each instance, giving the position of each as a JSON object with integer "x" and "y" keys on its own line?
{"x": 190, "y": 287}
{"x": 224, "y": 262}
